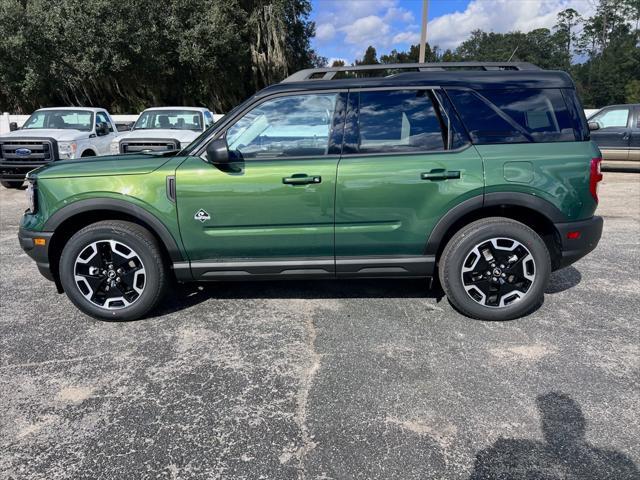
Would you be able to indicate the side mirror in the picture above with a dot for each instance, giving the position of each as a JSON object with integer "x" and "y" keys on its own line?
{"x": 102, "y": 129}
{"x": 594, "y": 126}
{"x": 218, "y": 151}
{"x": 13, "y": 126}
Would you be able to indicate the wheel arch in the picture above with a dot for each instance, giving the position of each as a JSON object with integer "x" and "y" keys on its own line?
{"x": 68, "y": 220}
{"x": 88, "y": 152}
{"x": 535, "y": 212}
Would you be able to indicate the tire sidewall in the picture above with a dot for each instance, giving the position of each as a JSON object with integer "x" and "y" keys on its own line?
{"x": 472, "y": 237}
{"x": 79, "y": 242}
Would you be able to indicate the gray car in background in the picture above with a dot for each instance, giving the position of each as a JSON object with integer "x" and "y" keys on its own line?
{"x": 616, "y": 130}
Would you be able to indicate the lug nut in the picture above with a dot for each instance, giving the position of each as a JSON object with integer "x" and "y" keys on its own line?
{"x": 504, "y": 275}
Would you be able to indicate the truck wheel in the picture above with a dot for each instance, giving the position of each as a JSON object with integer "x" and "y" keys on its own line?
{"x": 113, "y": 270}
{"x": 495, "y": 269}
{"x": 11, "y": 184}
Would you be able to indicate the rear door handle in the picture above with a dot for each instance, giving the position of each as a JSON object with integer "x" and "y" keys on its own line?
{"x": 440, "y": 174}
{"x": 301, "y": 179}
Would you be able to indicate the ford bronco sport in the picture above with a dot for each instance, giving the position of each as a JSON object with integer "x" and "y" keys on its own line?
{"x": 51, "y": 134}
{"x": 482, "y": 174}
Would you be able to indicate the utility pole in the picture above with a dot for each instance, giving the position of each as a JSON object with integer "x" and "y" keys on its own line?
{"x": 423, "y": 34}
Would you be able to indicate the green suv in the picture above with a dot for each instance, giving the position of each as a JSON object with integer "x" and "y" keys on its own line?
{"x": 480, "y": 174}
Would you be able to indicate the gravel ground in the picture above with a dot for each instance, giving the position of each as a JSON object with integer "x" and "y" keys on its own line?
{"x": 358, "y": 379}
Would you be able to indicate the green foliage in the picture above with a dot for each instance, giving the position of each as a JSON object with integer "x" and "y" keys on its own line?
{"x": 370, "y": 57}
{"x": 632, "y": 92}
{"x": 126, "y": 55}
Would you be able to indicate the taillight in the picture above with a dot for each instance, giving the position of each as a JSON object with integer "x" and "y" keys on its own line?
{"x": 595, "y": 177}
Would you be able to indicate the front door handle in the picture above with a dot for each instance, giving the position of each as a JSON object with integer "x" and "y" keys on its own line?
{"x": 440, "y": 174}
{"x": 301, "y": 179}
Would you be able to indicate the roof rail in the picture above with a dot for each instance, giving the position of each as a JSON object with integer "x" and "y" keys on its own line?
{"x": 327, "y": 73}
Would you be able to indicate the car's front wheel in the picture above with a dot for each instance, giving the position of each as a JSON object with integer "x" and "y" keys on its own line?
{"x": 113, "y": 270}
{"x": 495, "y": 269}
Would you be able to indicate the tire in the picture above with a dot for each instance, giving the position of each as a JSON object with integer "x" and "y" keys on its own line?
{"x": 11, "y": 184}
{"x": 137, "y": 263}
{"x": 470, "y": 268}
{"x": 88, "y": 153}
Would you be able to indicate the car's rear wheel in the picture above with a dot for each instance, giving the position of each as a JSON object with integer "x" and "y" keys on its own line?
{"x": 495, "y": 269}
{"x": 113, "y": 270}
{"x": 11, "y": 183}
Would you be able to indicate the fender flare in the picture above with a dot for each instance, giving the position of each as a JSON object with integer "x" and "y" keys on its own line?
{"x": 512, "y": 199}
{"x": 87, "y": 205}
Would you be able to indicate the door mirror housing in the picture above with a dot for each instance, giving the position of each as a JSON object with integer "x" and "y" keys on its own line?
{"x": 13, "y": 126}
{"x": 102, "y": 129}
{"x": 218, "y": 151}
{"x": 594, "y": 126}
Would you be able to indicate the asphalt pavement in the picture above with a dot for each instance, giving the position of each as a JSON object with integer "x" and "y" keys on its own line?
{"x": 327, "y": 380}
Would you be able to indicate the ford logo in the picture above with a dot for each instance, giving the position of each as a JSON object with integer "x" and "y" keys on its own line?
{"x": 23, "y": 152}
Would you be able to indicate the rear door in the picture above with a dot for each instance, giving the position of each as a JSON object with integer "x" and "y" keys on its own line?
{"x": 614, "y": 135}
{"x": 271, "y": 211}
{"x": 403, "y": 167}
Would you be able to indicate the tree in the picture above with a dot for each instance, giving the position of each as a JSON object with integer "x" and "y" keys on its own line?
{"x": 568, "y": 20}
{"x": 632, "y": 92}
{"x": 338, "y": 63}
{"x": 131, "y": 54}
{"x": 370, "y": 57}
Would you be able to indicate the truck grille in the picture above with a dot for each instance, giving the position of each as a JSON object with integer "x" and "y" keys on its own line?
{"x": 28, "y": 151}
{"x": 154, "y": 145}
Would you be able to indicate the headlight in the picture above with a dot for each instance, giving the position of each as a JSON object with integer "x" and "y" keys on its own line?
{"x": 31, "y": 195}
{"x": 67, "y": 149}
{"x": 115, "y": 148}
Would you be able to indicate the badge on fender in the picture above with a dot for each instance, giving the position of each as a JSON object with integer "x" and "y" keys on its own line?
{"x": 202, "y": 216}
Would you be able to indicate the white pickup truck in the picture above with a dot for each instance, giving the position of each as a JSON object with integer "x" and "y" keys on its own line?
{"x": 164, "y": 128}
{"x": 51, "y": 134}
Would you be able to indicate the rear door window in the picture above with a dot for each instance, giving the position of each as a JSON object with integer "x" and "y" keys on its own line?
{"x": 392, "y": 121}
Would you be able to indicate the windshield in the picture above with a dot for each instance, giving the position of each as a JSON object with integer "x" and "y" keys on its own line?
{"x": 169, "y": 120}
{"x": 204, "y": 135}
{"x": 60, "y": 120}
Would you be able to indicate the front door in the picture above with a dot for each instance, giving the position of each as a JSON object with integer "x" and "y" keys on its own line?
{"x": 614, "y": 135}
{"x": 403, "y": 167}
{"x": 271, "y": 211}
{"x": 103, "y": 142}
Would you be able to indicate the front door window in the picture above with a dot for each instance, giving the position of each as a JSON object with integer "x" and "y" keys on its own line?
{"x": 292, "y": 126}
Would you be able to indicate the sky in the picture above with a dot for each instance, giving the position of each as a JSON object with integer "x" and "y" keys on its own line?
{"x": 345, "y": 28}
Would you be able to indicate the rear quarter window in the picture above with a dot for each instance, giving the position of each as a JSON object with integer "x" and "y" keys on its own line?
{"x": 515, "y": 115}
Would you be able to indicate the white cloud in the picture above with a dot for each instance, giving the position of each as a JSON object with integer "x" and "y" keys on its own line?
{"x": 325, "y": 31}
{"x": 395, "y": 13}
{"x": 500, "y": 16}
{"x": 370, "y": 30}
{"x": 410, "y": 38}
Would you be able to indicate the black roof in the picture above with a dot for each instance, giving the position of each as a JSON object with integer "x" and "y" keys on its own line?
{"x": 475, "y": 79}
